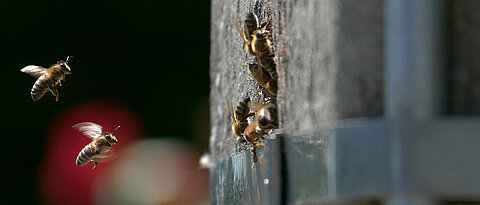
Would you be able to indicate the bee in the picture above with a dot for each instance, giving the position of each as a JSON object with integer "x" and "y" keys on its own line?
{"x": 258, "y": 42}
{"x": 240, "y": 117}
{"x": 265, "y": 120}
{"x": 48, "y": 78}
{"x": 253, "y": 133}
{"x": 101, "y": 143}
{"x": 262, "y": 41}
{"x": 262, "y": 46}
{"x": 250, "y": 24}
{"x": 263, "y": 78}
{"x": 268, "y": 64}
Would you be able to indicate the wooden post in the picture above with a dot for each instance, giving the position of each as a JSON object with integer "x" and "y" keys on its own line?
{"x": 330, "y": 65}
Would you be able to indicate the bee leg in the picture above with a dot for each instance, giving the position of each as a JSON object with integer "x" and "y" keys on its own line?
{"x": 53, "y": 89}
{"x": 260, "y": 145}
{"x": 254, "y": 155}
{"x": 56, "y": 94}
{"x": 59, "y": 82}
{"x": 94, "y": 164}
{"x": 241, "y": 140}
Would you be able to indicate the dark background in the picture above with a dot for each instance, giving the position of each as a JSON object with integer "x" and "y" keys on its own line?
{"x": 151, "y": 56}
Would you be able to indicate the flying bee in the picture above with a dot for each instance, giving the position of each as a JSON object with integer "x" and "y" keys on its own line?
{"x": 48, "y": 78}
{"x": 240, "y": 117}
{"x": 263, "y": 78}
{"x": 101, "y": 143}
{"x": 250, "y": 24}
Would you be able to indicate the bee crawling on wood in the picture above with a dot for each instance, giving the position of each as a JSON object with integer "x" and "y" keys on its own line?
{"x": 101, "y": 143}
{"x": 48, "y": 78}
{"x": 255, "y": 131}
{"x": 250, "y": 24}
{"x": 263, "y": 78}
{"x": 259, "y": 43}
{"x": 240, "y": 117}
{"x": 262, "y": 46}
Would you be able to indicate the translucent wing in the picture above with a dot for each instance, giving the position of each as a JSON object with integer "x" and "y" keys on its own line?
{"x": 34, "y": 70}
{"x": 241, "y": 33}
{"x": 89, "y": 129}
{"x": 230, "y": 109}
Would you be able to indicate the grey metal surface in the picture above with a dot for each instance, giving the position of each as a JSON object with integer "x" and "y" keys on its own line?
{"x": 234, "y": 181}
{"x": 414, "y": 90}
{"x": 415, "y": 60}
{"x": 439, "y": 159}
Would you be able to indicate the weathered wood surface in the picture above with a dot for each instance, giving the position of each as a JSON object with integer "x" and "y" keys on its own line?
{"x": 329, "y": 62}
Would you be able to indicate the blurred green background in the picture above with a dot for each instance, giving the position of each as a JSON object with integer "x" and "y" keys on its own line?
{"x": 152, "y": 56}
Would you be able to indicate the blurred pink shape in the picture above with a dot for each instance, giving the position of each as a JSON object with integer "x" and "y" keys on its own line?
{"x": 155, "y": 171}
{"x": 60, "y": 180}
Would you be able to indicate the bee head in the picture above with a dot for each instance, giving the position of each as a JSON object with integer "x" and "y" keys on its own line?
{"x": 65, "y": 68}
{"x": 111, "y": 138}
{"x": 64, "y": 65}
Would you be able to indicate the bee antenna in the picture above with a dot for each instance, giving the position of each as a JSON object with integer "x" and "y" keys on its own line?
{"x": 68, "y": 58}
{"x": 116, "y": 129}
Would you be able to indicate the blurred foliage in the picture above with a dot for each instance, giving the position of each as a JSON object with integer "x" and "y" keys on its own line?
{"x": 152, "y": 56}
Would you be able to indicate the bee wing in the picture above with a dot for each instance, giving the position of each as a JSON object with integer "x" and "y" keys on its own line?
{"x": 34, "y": 70}
{"x": 241, "y": 33}
{"x": 230, "y": 109}
{"x": 89, "y": 129}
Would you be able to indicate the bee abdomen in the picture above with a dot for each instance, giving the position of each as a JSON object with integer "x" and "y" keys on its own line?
{"x": 250, "y": 24}
{"x": 39, "y": 88}
{"x": 242, "y": 110}
{"x": 268, "y": 63}
{"x": 85, "y": 155}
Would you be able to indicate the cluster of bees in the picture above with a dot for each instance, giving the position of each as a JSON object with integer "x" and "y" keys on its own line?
{"x": 47, "y": 80}
{"x": 253, "y": 121}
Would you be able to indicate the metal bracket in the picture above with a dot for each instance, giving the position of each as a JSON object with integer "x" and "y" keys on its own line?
{"x": 373, "y": 159}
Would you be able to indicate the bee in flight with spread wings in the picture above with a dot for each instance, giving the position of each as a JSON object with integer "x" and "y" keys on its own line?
{"x": 101, "y": 143}
{"x": 48, "y": 78}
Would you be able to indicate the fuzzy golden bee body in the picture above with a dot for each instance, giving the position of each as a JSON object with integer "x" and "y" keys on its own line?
{"x": 240, "y": 117}
{"x": 250, "y": 24}
{"x": 48, "y": 78}
{"x": 262, "y": 46}
{"x": 265, "y": 120}
{"x": 266, "y": 115}
{"x": 259, "y": 43}
{"x": 254, "y": 132}
{"x": 101, "y": 143}
{"x": 263, "y": 78}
